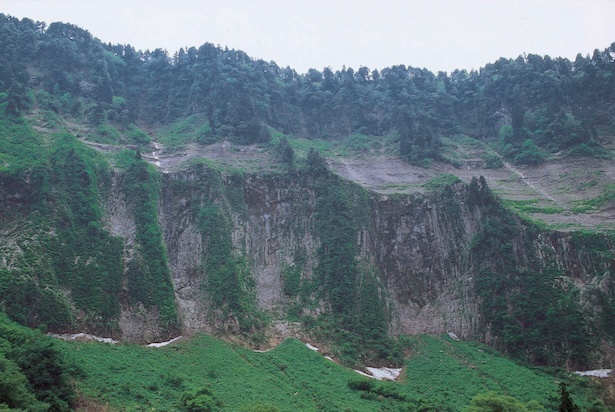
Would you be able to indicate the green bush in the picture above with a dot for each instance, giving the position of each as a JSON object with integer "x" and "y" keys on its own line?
{"x": 492, "y": 160}
{"x": 106, "y": 133}
{"x": 34, "y": 373}
{"x": 137, "y": 136}
{"x": 362, "y": 384}
{"x": 441, "y": 181}
{"x": 198, "y": 400}
{"x": 492, "y": 402}
{"x": 284, "y": 152}
{"x": 529, "y": 154}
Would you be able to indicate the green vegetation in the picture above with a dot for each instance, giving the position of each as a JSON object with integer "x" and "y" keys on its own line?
{"x": 534, "y": 313}
{"x": 441, "y": 181}
{"x": 291, "y": 275}
{"x": 358, "y": 318}
{"x": 607, "y": 197}
{"x": 202, "y": 372}
{"x": 202, "y": 369}
{"x": 107, "y": 134}
{"x": 462, "y": 373}
{"x": 491, "y": 401}
{"x": 63, "y": 242}
{"x": 203, "y": 94}
{"x": 228, "y": 282}
{"x": 284, "y": 152}
{"x": 79, "y": 175}
{"x": 525, "y": 154}
{"x": 149, "y": 277}
{"x": 449, "y": 372}
{"x": 21, "y": 149}
{"x": 531, "y": 206}
{"x": 191, "y": 129}
{"x": 34, "y": 374}
{"x": 492, "y": 161}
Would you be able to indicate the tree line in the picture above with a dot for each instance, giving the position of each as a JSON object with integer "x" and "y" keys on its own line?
{"x": 553, "y": 103}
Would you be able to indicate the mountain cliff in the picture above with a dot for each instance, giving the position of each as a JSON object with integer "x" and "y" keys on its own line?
{"x": 146, "y": 232}
{"x": 144, "y": 255}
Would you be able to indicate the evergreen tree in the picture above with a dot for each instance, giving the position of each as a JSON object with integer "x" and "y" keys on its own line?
{"x": 566, "y": 402}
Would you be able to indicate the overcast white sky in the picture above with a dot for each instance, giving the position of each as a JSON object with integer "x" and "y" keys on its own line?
{"x": 440, "y": 35}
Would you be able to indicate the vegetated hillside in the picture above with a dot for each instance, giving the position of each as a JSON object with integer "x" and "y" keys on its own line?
{"x": 533, "y": 102}
{"x": 40, "y": 373}
{"x": 440, "y": 375}
{"x": 107, "y": 231}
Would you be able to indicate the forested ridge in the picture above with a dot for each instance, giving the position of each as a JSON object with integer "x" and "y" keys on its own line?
{"x": 529, "y": 102}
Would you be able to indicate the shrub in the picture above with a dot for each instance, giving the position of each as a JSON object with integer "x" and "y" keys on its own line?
{"x": 492, "y": 161}
{"x": 529, "y": 154}
{"x": 198, "y": 400}
{"x": 361, "y": 384}
{"x": 441, "y": 181}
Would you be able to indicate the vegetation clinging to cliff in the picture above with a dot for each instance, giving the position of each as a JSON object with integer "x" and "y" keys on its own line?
{"x": 59, "y": 182}
{"x": 352, "y": 291}
{"x": 533, "y": 313}
{"x": 148, "y": 275}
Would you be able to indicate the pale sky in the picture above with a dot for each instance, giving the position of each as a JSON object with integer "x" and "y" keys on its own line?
{"x": 440, "y": 35}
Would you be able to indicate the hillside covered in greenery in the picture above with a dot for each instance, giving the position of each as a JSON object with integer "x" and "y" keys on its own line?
{"x": 213, "y": 195}
{"x": 531, "y": 101}
{"x": 205, "y": 374}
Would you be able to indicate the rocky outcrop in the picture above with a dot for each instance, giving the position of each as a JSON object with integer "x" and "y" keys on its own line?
{"x": 434, "y": 255}
{"x": 421, "y": 245}
{"x": 421, "y": 248}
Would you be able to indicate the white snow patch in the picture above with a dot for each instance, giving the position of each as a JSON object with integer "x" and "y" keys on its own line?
{"x": 453, "y": 336}
{"x": 83, "y": 337}
{"x": 597, "y": 373}
{"x": 329, "y": 358}
{"x": 314, "y": 348}
{"x": 384, "y": 373}
{"x": 161, "y": 344}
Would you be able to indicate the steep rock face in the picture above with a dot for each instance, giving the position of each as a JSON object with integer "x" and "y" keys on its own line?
{"x": 137, "y": 323}
{"x": 185, "y": 251}
{"x": 279, "y": 226}
{"x": 271, "y": 221}
{"x": 433, "y": 254}
{"x": 421, "y": 247}
{"x": 449, "y": 260}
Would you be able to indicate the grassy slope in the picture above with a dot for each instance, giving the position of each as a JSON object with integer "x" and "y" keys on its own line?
{"x": 453, "y": 372}
{"x": 292, "y": 377}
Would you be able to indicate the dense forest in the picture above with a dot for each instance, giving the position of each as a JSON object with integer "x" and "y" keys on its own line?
{"x": 530, "y": 102}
